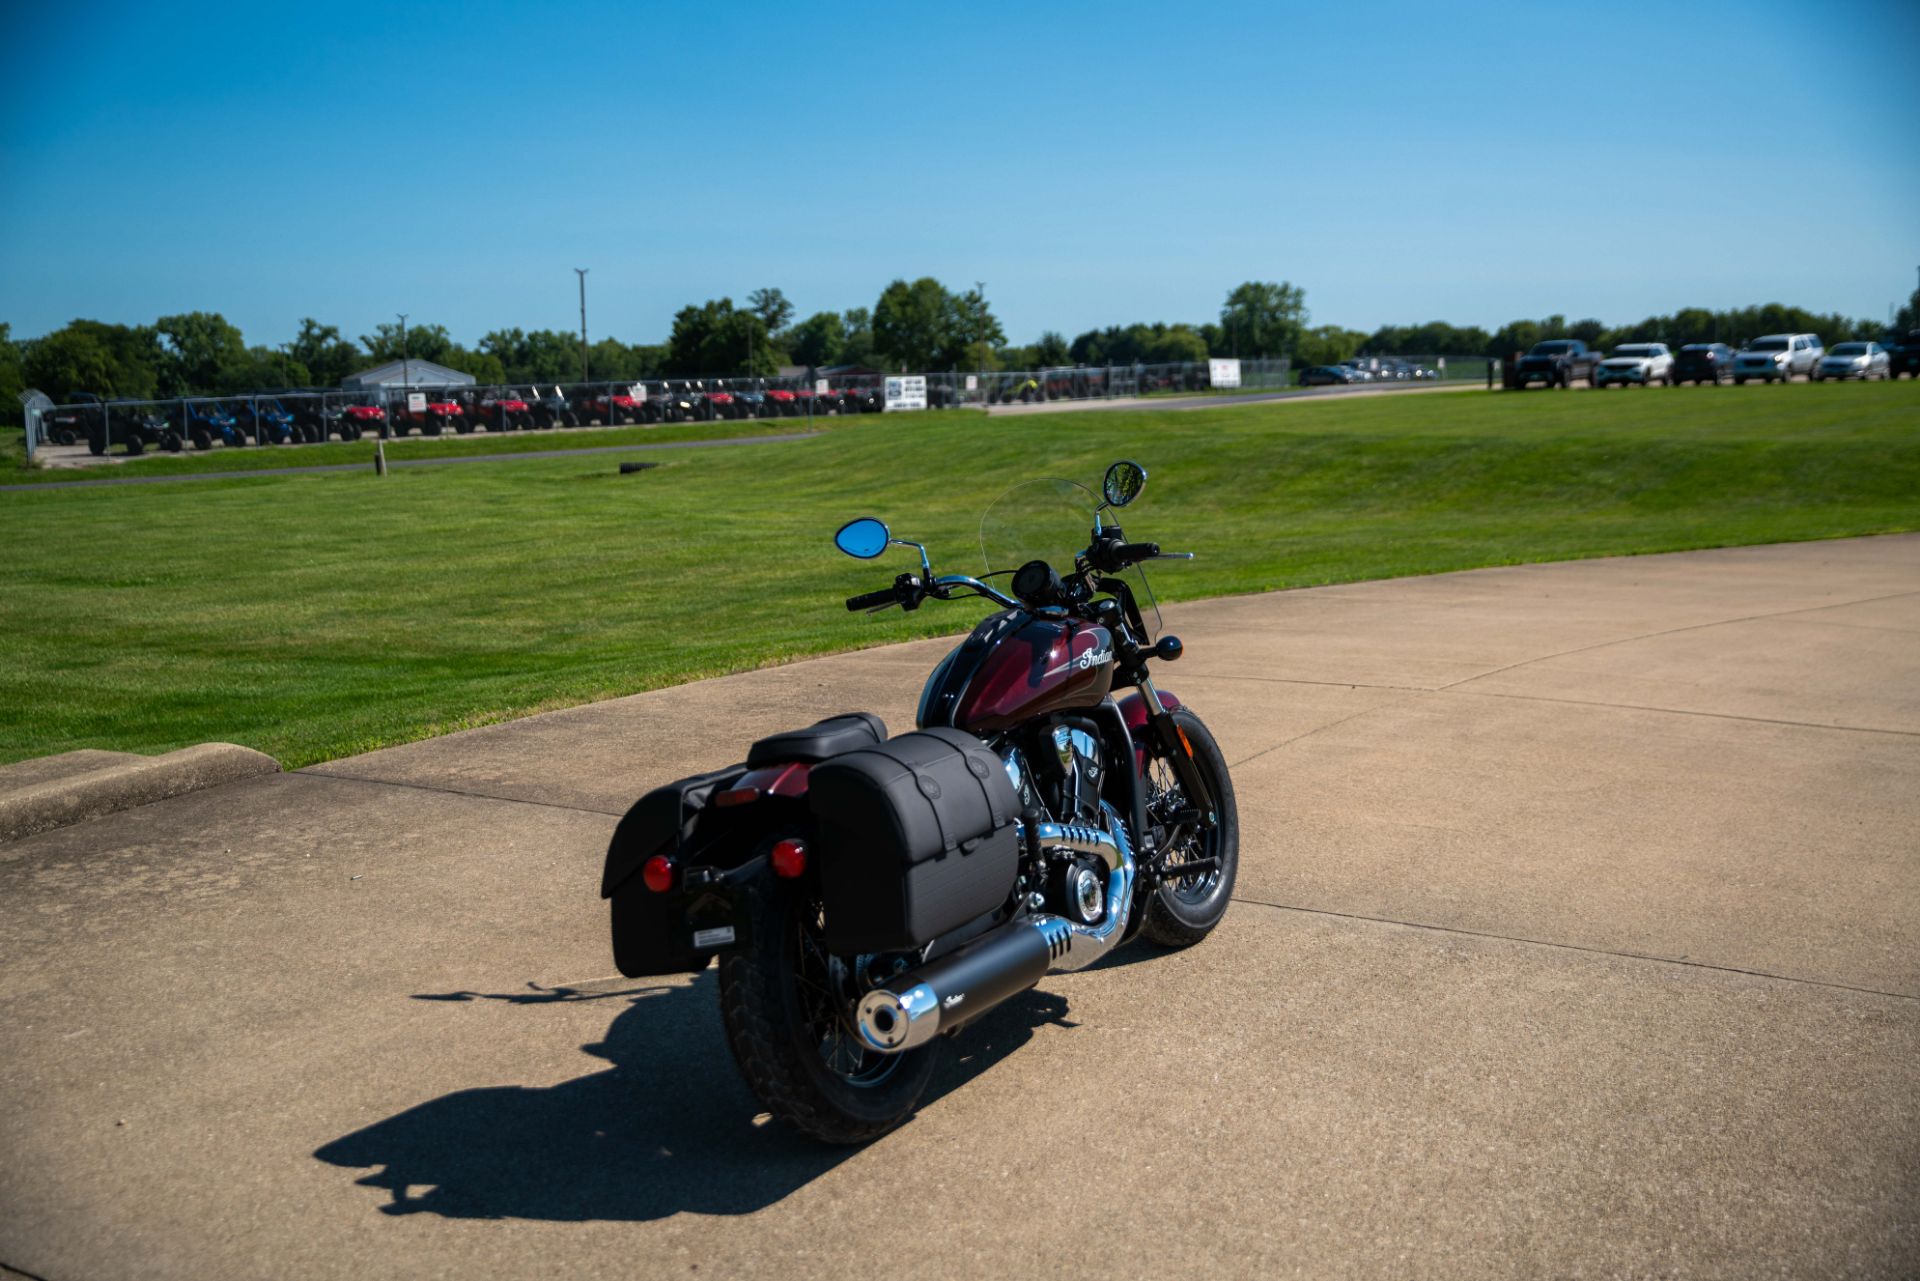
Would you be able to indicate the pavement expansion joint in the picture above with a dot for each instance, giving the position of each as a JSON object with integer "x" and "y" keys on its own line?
{"x": 1319, "y": 729}
{"x": 1580, "y": 947}
{"x": 1685, "y": 711}
{"x": 454, "y": 791}
{"x": 1674, "y": 631}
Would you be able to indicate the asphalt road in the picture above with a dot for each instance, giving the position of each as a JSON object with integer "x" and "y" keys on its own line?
{"x": 1577, "y": 934}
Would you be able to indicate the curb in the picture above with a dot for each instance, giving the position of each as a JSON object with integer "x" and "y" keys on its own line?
{"x": 56, "y": 791}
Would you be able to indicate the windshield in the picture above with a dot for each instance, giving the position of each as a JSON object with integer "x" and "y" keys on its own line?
{"x": 1052, "y": 520}
{"x": 1768, "y": 344}
{"x": 1550, "y": 348}
{"x": 1849, "y": 349}
{"x": 1636, "y": 352}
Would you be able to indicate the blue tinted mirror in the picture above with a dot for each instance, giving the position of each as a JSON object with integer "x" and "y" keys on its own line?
{"x": 864, "y": 538}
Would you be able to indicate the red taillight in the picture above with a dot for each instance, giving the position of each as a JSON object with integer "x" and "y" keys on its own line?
{"x": 738, "y": 796}
{"x": 789, "y": 859}
{"x": 658, "y": 873}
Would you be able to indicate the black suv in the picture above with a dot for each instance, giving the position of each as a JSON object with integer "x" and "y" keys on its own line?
{"x": 1703, "y": 362}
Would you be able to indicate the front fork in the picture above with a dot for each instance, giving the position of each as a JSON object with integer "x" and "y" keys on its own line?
{"x": 1178, "y": 752}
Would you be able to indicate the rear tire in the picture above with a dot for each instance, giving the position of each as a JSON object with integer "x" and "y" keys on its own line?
{"x": 798, "y": 1055}
{"x": 1180, "y": 912}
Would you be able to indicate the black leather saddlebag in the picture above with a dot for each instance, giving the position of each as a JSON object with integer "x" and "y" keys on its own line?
{"x": 650, "y": 933}
{"x": 917, "y": 837}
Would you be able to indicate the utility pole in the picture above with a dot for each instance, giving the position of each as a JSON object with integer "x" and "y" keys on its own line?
{"x": 979, "y": 370}
{"x": 582, "y": 273}
{"x": 406, "y": 366}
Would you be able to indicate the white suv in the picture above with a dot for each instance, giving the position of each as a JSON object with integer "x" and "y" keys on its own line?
{"x": 1778, "y": 356}
{"x": 1645, "y": 363}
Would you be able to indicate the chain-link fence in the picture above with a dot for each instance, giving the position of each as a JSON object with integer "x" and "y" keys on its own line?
{"x": 313, "y": 415}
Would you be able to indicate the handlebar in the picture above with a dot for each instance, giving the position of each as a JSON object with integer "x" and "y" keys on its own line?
{"x": 1132, "y": 552}
{"x": 873, "y": 600}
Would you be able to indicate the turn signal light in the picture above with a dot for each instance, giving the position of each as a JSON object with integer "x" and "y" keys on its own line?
{"x": 789, "y": 859}
{"x": 658, "y": 873}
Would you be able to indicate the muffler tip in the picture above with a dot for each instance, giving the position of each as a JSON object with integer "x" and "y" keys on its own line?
{"x": 894, "y": 1023}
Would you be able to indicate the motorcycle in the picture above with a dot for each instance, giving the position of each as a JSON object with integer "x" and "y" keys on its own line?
{"x": 868, "y": 897}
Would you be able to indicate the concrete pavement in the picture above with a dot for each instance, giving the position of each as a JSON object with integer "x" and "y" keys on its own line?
{"x": 1577, "y": 933}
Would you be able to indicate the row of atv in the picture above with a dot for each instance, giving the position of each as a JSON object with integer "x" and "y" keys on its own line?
{"x": 138, "y": 426}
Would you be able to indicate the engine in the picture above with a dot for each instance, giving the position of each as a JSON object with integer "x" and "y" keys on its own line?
{"x": 1063, "y": 789}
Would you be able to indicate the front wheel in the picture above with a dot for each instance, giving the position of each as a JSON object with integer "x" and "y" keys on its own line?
{"x": 1182, "y": 910}
{"x": 787, "y": 1004}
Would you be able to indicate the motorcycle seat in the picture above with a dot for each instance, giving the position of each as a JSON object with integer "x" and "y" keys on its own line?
{"x": 817, "y": 742}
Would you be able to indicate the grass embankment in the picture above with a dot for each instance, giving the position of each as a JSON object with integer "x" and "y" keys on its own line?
{"x": 313, "y": 616}
{"x": 14, "y": 471}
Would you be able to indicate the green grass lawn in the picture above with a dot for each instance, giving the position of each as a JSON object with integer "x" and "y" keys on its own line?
{"x": 313, "y": 616}
{"x": 14, "y": 471}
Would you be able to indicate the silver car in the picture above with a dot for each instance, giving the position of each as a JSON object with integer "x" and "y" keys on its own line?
{"x": 1863, "y": 360}
{"x": 1778, "y": 357}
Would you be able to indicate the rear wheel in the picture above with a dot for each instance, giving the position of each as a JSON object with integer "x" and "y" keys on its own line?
{"x": 171, "y": 442}
{"x": 786, "y": 1002}
{"x": 1182, "y": 910}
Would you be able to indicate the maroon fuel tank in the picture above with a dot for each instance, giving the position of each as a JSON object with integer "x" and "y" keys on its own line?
{"x": 1017, "y": 665}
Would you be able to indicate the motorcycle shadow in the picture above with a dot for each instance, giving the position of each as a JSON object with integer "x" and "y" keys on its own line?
{"x": 669, "y": 1127}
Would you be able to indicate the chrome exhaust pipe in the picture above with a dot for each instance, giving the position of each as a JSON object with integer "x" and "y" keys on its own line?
{"x": 941, "y": 995}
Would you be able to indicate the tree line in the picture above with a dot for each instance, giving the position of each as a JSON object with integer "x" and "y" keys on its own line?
{"x": 913, "y": 325}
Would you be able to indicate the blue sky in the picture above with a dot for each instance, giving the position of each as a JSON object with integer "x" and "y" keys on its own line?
{"x": 1093, "y": 164}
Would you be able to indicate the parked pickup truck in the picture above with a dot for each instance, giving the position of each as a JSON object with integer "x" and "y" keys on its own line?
{"x": 1558, "y": 362}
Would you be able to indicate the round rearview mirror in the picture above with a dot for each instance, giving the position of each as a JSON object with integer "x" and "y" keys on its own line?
{"x": 1124, "y": 482}
{"x": 864, "y": 538}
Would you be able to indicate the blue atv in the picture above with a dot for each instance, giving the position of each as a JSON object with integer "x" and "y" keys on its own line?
{"x": 268, "y": 422}
{"x": 208, "y": 422}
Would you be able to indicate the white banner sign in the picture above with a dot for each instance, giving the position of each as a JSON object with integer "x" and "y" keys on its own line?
{"x": 907, "y": 393}
{"x": 973, "y": 382}
{"x": 1223, "y": 373}
{"x": 416, "y": 402}
{"x": 820, "y": 387}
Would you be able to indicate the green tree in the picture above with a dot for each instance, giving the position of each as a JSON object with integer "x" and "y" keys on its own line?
{"x": 818, "y": 340}
{"x": 197, "y": 350}
{"x": 1330, "y": 344}
{"x": 924, "y": 326}
{"x": 90, "y": 355}
{"x": 419, "y": 342}
{"x": 13, "y": 378}
{"x": 1907, "y": 318}
{"x": 718, "y": 338}
{"x": 71, "y": 360}
{"x": 1051, "y": 350}
{"x": 328, "y": 357}
{"x": 772, "y": 307}
{"x": 1263, "y": 319}
{"x": 262, "y": 369}
{"x": 856, "y": 337}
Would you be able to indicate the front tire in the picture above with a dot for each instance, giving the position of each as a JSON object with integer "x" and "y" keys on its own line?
{"x": 1183, "y": 910}
{"x": 784, "y": 1000}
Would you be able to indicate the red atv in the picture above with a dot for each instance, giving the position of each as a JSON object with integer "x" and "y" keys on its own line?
{"x": 432, "y": 421}
{"x": 497, "y": 409}
{"x": 613, "y": 407}
{"x": 353, "y": 420}
{"x": 781, "y": 403}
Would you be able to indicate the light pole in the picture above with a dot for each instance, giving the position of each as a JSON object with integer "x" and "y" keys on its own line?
{"x": 406, "y": 366}
{"x": 582, "y": 273}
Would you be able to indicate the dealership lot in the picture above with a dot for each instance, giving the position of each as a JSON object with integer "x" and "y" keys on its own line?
{"x": 1576, "y": 934}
